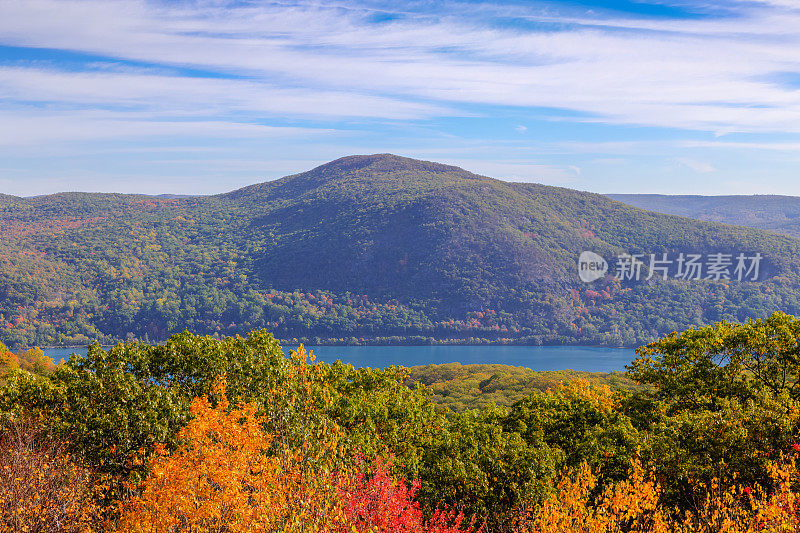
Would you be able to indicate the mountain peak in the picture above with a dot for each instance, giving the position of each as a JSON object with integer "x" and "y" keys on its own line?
{"x": 369, "y": 169}
{"x": 382, "y": 163}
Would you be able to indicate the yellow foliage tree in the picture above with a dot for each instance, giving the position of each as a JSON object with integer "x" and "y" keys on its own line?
{"x": 631, "y": 505}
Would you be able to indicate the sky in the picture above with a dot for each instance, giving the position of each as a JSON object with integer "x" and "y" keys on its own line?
{"x": 206, "y": 96}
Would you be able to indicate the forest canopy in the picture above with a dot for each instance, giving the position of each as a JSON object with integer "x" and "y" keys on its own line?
{"x": 701, "y": 433}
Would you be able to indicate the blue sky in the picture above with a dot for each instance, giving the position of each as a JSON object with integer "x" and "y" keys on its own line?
{"x": 675, "y": 97}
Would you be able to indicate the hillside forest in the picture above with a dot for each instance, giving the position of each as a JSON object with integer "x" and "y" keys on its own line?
{"x": 374, "y": 249}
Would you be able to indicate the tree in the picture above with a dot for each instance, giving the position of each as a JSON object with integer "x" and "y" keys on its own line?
{"x": 697, "y": 368}
{"x": 724, "y": 403}
{"x": 374, "y": 502}
{"x": 42, "y": 489}
{"x": 223, "y": 478}
{"x": 219, "y": 478}
{"x": 585, "y": 423}
{"x": 115, "y": 405}
{"x": 478, "y": 466}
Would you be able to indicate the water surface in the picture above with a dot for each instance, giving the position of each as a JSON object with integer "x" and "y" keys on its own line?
{"x": 593, "y": 359}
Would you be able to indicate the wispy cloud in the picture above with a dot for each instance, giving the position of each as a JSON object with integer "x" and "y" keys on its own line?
{"x": 34, "y": 128}
{"x": 701, "y": 167}
{"x": 180, "y": 95}
{"x": 695, "y": 74}
{"x": 521, "y": 171}
{"x": 261, "y": 70}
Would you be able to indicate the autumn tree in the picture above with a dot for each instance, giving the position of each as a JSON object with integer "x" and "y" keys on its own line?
{"x": 41, "y": 488}
{"x": 219, "y": 479}
{"x": 375, "y": 502}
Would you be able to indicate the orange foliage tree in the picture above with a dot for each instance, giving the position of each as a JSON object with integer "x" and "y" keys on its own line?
{"x": 228, "y": 475}
{"x": 633, "y": 505}
{"x": 222, "y": 479}
{"x": 630, "y": 505}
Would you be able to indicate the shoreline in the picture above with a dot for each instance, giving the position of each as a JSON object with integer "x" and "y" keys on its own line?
{"x": 367, "y": 345}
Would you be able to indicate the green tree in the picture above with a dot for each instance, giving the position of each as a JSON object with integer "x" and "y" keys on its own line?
{"x": 585, "y": 423}
{"x": 722, "y": 402}
{"x": 477, "y": 465}
{"x": 115, "y": 404}
{"x": 699, "y": 367}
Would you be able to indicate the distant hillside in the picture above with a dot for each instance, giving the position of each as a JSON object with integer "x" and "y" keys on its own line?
{"x": 6, "y": 199}
{"x": 780, "y": 214}
{"x": 173, "y": 196}
{"x": 461, "y": 387}
{"x": 360, "y": 250}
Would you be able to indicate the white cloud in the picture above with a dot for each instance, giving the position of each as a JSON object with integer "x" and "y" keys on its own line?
{"x": 519, "y": 171}
{"x": 178, "y": 95}
{"x": 313, "y": 73}
{"x": 791, "y": 147}
{"x": 20, "y": 129}
{"x": 701, "y": 167}
{"x": 704, "y": 74}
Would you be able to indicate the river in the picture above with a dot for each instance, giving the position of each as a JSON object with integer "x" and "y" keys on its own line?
{"x": 593, "y": 359}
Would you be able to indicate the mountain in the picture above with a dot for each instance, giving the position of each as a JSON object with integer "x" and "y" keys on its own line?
{"x": 6, "y": 199}
{"x": 172, "y": 196}
{"x": 375, "y": 248}
{"x": 779, "y": 214}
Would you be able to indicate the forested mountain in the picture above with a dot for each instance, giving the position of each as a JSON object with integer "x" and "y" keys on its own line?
{"x": 780, "y": 214}
{"x": 365, "y": 249}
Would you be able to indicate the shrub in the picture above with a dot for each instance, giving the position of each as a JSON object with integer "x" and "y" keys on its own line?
{"x": 41, "y": 488}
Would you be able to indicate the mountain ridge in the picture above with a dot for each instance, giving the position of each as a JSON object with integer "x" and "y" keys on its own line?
{"x": 771, "y": 212}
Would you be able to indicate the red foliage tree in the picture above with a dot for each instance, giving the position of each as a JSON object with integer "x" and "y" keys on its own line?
{"x": 378, "y": 503}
